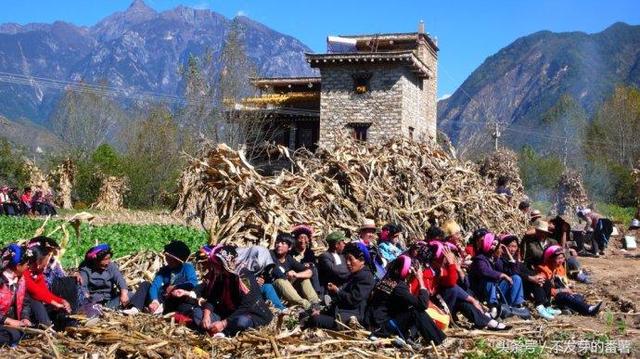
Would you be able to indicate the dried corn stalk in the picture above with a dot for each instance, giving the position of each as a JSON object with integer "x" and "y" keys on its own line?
{"x": 570, "y": 193}
{"x": 111, "y": 194}
{"x": 504, "y": 162}
{"x": 399, "y": 181}
{"x": 62, "y": 177}
{"x": 37, "y": 180}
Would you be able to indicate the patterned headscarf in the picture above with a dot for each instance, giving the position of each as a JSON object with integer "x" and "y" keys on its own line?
{"x": 95, "y": 252}
{"x": 12, "y": 255}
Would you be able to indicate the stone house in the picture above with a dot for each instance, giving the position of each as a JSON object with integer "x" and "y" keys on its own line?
{"x": 373, "y": 86}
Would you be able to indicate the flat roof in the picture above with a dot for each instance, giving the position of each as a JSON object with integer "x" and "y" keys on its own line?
{"x": 261, "y": 81}
{"x": 316, "y": 60}
{"x": 394, "y": 36}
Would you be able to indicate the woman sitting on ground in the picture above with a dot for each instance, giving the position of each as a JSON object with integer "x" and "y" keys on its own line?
{"x": 104, "y": 284}
{"x": 258, "y": 261}
{"x": 349, "y": 300}
{"x": 553, "y": 270}
{"x": 440, "y": 274}
{"x": 14, "y": 311}
{"x": 393, "y": 310}
{"x": 47, "y": 308}
{"x": 231, "y": 300}
{"x": 176, "y": 276}
{"x": 488, "y": 280}
{"x": 25, "y": 201}
{"x": 302, "y": 251}
{"x": 290, "y": 276}
{"x": 389, "y": 242}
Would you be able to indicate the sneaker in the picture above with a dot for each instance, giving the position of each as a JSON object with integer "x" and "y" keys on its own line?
{"x": 553, "y": 311}
{"x": 543, "y": 313}
{"x": 131, "y": 311}
{"x": 594, "y": 309}
{"x": 583, "y": 278}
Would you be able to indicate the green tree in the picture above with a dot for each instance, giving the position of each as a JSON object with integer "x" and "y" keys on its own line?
{"x": 539, "y": 174}
{"x": 12, "y": 171}
{"x": 153, "y": 161}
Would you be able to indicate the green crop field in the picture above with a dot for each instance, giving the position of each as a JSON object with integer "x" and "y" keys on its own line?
{"x": 123, "y": 238}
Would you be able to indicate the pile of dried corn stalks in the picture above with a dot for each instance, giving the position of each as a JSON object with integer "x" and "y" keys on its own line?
{"x": 399, "y": 181}
{"x": 570, "y": 194}
{"x": 504, "y": 163}
{"x": 62, "y": 178}
{"x": 111, "y": 194}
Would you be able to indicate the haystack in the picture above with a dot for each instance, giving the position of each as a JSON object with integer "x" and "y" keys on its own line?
{"x": 37, "y": 180}
{"x": 62, "y": 178}
{"x": 399, "y": 181}
{"x": 112, "y": 193}
{"x": 503, "y": 162}
{"x": 570, "y": 194}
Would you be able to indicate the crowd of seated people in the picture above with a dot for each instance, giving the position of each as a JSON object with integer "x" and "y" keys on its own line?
{"x": 380, "y": 280}
{"x": 29, "y": 203}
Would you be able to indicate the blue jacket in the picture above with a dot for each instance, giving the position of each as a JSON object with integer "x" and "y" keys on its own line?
{"x": 183, "y": 277}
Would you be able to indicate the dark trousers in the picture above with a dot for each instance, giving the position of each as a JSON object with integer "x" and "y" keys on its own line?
{"x": 45, "y": 315}
{"x": 601, "y": 235}
{"x": 137, "y": 299}
{"x": 573, "y": 301}
{"x": 541, "y": 294}
{"x": 68, "y": 289}
{"x": 412, "y": 320}
{"x": 10, "y": 336}
{"x": 322, "y": 321}
{"x": 455, "y": 298}
{"x": 238, "y": 323}
{"x": 10, "y": 209}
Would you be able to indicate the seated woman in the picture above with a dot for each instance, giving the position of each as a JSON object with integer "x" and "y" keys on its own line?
{"x": 258, "y": 261}
{"x": 231, "y": 300}
{"x": 393, "y": 310}
{"x": 14, "y": 311}
{"x": 41, "y": 206}
{"x": 25, "y": 202}
{"x": 487, "y": 278}
{"x": 290, "y": 276}
{"x": 47, "y": 308}
{"x": 440, "y": 275}
{"x": 389, "y": 242}
{"x": 535, "y": 287}
{"x": 176, "y": 275}
{"x": 349, "y": 300}
{"x": 61, "y": 285}
{"x": 553, "y": 270}
{"x": 104, "y": 284}
{"x": 302, "y": 251}
{"x": 9, "y": 207}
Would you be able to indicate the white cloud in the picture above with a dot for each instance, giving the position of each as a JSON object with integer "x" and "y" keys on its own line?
{"x": 241, "y": 13}
{"x": 444, "y": 97}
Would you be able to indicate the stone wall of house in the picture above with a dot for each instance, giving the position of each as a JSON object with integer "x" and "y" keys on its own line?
{"x": 430, "y": 88}
{"x": 414, "y": 111}
{"x": 381, "y": 105}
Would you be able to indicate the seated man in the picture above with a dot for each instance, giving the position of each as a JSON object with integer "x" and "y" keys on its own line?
{"x": 331, "y": 264}
{"x": 291, "y": 276}
{"x": 176, "y": 275}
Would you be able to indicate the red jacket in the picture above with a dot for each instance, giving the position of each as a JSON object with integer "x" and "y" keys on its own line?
{"x": 6, "y": 298}
{"x": 37, "y": 288}
{"x": 448, "y": 278}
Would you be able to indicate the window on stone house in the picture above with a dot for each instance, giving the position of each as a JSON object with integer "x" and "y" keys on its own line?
{"x": 361, "y": 82}
{"x": 359, "y": 130}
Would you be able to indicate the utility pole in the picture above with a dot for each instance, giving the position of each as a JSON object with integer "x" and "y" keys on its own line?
{"x": 496, "y": 135}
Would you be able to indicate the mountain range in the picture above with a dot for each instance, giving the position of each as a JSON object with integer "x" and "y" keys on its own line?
{"x": 140, "y": 50}
{"x": 136, "y": 50}
{"x": 516, "y": 86}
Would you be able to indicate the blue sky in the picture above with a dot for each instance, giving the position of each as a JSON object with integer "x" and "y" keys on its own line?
{"x": 468, "y": 31}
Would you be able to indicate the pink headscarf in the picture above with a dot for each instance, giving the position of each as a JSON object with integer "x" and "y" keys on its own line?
{"x": 551, "y": 252}
{"x": 487, "y": 242}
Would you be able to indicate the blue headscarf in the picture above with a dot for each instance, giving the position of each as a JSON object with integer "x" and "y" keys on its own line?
{"x": 12, "y": 255}
{"x": 94, "y": 252}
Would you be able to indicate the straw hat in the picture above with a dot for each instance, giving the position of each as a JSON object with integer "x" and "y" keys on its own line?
{"x": 368, "y": 224}
{"x": 542, "y": 226}
{"x": 450, "y": 227}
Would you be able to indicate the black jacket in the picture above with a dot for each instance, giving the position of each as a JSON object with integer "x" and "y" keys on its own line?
{"x": 250, "y": 304}
{"x": 351, "y": 299}
{"x": 330, "y": 272}
{"x": 390, "y": 299}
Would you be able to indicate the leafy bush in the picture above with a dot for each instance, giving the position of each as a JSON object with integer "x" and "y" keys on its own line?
{"x": 124, "y": 238}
